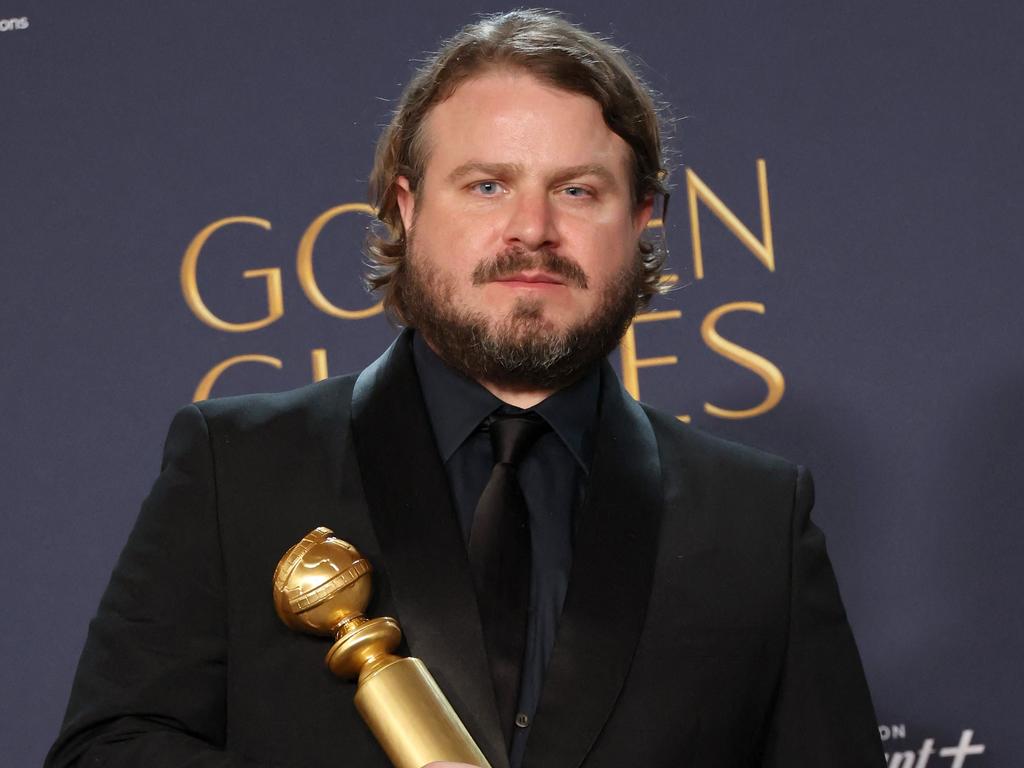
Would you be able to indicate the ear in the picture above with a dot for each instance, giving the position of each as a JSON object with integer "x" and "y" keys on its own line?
{"x": 643, "y": 215}
{"x": 406, "y": 200}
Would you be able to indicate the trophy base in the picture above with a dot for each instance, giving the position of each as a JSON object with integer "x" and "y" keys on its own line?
{"x": 412, "y": 719}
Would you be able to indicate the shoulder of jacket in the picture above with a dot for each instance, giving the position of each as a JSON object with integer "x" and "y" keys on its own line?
{"x": 329, "y": 397}
{"x": 681, "y": 442}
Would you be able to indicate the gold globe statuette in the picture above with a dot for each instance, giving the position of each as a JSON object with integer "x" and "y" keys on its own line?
{"x": 322, "y": 586}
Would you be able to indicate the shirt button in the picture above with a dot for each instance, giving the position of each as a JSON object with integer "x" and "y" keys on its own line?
{"x": 522, "y": 720}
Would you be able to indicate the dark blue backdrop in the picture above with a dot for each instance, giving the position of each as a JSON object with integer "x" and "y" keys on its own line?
{"x": 891, "y": 138}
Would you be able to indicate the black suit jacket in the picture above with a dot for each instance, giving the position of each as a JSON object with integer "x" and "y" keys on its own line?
{"x": 702, "y": 626}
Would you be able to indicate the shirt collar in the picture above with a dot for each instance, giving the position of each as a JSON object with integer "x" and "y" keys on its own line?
{"x": 456, "y": 405}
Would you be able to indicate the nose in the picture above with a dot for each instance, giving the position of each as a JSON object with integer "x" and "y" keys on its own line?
{"x": 531, "y": 223}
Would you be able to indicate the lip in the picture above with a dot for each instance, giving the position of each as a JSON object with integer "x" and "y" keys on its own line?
{"x": 530, "y": 279}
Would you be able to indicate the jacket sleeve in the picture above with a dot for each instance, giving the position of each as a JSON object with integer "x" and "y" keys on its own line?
{"x": 823, "y": 713}
{"x": 150, "y": 685}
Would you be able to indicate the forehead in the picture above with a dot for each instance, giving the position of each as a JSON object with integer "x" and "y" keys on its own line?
{"x": 510, "y": 116}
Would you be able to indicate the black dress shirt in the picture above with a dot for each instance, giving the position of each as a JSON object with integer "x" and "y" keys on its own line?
{"x": 553, "y": 477}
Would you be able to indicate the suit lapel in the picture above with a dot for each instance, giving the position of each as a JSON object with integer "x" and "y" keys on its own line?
{"x": 420, "y": 539}
{"x": 610, "y": 582}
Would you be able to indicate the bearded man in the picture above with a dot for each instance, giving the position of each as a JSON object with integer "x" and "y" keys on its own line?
{"x": 650, "y": 595}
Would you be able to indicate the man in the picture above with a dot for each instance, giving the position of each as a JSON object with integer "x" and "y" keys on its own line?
{"x": 635, "y": 593}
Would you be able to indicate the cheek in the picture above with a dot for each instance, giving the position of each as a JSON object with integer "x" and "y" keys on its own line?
{"x": 604, "y": 251}
{"x": 468, "y": 240}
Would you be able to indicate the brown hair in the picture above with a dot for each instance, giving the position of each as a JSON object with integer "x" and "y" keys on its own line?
{"x": 557, "y": 53}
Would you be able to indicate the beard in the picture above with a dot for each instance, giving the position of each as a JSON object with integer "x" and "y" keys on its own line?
{"x": 524, "y": 350}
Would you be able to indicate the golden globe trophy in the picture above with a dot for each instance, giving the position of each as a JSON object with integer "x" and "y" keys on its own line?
{"x": 322, "y": 586}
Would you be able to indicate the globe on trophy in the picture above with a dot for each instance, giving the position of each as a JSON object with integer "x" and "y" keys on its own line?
{"x": 322, "y": 586}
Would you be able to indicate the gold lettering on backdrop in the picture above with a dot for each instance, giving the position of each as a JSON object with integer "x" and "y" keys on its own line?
{"x": 304, "y": 264}
{"x": 697, "y": 192}
{"x": 319, "y": 360}
{"x": 190, "y": 287}
{"x": 630, "y": 363}
{"x": 771, "y": 375}
{"x": 763, "y": 249}
{"x": 206, "y": 383}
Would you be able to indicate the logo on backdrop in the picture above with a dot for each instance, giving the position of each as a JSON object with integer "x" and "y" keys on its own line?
{"x": 632, "y": 363}
{"x": 12, "y": 25}
{"x": 902, "y": 752}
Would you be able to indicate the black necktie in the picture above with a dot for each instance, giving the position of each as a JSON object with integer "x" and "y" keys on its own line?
{"x": 499, "y": 553}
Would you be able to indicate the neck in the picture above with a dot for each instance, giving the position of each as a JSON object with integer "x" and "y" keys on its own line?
{"x": 520, "y": 398}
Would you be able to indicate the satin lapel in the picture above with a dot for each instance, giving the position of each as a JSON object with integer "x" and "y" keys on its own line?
{"x": 420, "y": 540}
{"x": 609, "y": 586}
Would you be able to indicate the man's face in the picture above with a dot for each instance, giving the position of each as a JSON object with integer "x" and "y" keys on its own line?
{"x": 523, "y": 229}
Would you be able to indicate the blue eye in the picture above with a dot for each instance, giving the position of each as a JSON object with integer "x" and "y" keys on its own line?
{"x": 577, "y": 192}
{"x": 487, "y": 188}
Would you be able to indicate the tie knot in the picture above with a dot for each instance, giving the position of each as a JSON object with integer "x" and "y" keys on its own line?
{"x": 512, "y": 435}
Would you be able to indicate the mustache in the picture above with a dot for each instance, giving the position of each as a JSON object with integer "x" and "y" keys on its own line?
{"x": 514, "y": 260}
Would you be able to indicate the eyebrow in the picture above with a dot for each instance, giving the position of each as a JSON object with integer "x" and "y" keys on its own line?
{"x": 504, "y": 170}
{"x": 487, "y": 169}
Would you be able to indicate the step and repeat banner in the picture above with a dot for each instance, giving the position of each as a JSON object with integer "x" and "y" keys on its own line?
{"x": 183, "y": 201}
